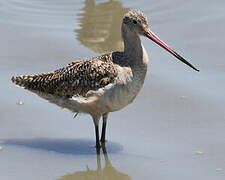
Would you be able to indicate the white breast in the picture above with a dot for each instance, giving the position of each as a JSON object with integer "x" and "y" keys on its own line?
{"x": 121, "y": 93}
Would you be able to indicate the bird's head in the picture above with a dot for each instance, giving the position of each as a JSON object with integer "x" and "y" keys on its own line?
{"x": 136, "y": 22}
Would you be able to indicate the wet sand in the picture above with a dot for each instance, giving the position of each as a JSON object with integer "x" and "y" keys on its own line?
{"x": 175, "y": 129}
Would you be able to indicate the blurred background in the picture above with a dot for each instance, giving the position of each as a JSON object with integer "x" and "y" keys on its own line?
{"x": 173, "y": 130}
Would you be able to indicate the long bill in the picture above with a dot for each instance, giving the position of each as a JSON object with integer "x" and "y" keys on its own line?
{"x": 156, "y": 39}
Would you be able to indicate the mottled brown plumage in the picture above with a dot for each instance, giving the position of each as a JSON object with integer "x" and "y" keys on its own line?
{"x": 77, "y": 78}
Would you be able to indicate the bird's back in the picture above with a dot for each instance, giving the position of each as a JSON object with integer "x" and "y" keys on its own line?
{"x": 77, "y": 78}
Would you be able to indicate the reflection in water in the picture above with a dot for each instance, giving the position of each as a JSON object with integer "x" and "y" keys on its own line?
{"x": 108, "y": 172}
{"x": 100, "y": 26}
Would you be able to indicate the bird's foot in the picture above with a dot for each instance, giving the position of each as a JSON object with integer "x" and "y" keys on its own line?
{"x": 103, "y": 141}
{"x": 97, "y": 146}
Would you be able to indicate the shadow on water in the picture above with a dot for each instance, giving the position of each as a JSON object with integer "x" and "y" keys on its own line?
{"x": 100, "y": 25}
{"x": 65, "y": 146}
{"x": 108, "y": 172}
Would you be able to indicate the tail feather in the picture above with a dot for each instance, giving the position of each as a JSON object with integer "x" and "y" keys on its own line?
{"x": 33, "y": 82}
{"x": 22, "y": 80}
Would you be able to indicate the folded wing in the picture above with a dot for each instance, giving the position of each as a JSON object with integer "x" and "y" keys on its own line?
{"x": 77, "y": 78}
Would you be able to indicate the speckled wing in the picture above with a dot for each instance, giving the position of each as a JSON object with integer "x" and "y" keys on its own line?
{"x": 77, "y": 78}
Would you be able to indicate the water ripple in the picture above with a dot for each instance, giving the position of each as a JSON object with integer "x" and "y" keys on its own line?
{"x": 38, "y": 13}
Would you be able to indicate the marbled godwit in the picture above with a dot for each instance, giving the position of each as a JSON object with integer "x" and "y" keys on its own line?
{"x": 103, "y": 84}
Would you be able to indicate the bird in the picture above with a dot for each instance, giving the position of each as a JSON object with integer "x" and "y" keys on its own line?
{"x": 100, "y": 85}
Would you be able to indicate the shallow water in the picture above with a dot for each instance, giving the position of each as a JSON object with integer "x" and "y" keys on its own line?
{"x": 173, "y": 130}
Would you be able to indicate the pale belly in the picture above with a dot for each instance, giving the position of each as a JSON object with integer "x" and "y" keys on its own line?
{"x": 114, "y": 96}
{"x": 119, "y": 96}
{"x": 109, "y": 99}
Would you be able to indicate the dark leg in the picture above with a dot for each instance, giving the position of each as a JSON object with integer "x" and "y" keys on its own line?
{"x": 97, "y": 137}
{"x": 103, "y": 131}
{"x": 105, "y": 116}
{"x": 96, "y": 122}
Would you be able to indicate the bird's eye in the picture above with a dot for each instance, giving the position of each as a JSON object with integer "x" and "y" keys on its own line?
{"x": 134, "y": 21}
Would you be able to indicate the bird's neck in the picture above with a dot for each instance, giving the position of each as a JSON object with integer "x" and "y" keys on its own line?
{"x": 134, "y": 49}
